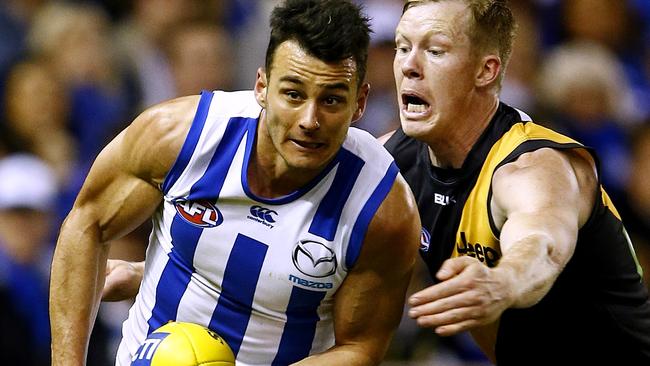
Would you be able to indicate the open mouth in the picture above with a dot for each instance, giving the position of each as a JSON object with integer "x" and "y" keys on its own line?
{"x": 414, "y": 104}
{"x": 308, "y": 145}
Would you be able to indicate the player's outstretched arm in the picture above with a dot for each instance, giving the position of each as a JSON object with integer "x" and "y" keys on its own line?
{"x": 120, "y": 192}
{"x": 539, "y": 202}
{"x": 369, "y": 304}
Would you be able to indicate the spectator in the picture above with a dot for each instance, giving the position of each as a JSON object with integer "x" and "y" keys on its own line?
{"x": 199, "y": 56}
{"x": 27, "y": 192}
{"x": 635, "y": 207}
{"x": 37, "y": 116}
{"x": 583, "y": 83}
{"x": 75, "y": 40}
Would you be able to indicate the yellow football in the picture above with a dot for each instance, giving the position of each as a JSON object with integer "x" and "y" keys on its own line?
{"x": 183, "y": 344}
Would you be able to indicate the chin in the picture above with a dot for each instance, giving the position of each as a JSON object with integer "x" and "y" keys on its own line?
{"x": 416, "y": 129}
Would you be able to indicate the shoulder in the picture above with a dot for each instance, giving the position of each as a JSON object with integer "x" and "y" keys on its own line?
{"x": 154, "y": 139}
{"x": 404, "y": 149}
{"x": 576, "y": 162}
{"x": 548, "y": 177}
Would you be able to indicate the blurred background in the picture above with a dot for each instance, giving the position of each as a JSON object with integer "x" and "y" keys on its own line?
{"x": 75, "y": 73}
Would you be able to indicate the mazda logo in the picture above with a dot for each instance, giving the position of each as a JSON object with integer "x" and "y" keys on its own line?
{"x": 314, "y": 259}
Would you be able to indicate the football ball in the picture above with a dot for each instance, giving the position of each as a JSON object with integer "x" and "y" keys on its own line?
{"x": 183, "y": 344}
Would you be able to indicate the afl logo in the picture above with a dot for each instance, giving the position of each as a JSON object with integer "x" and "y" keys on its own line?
{"x": 199, "y": 213}
{"x": 314, "y": 259}
{"x": 425, "y": 240}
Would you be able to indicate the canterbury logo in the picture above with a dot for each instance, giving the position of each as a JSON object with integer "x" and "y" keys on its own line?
{"x": 263, "y": 215}
{"x": 314, "y": 259}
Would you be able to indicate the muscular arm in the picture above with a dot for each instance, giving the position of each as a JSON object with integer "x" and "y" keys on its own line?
{"x": 369, "y": 304}
{"x": 119, "y": 193}
{"x": 542, "y": 200}
{"x": 539, "y": 202}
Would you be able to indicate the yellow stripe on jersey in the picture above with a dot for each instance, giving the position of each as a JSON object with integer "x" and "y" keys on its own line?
{"x": 475, "y": 236}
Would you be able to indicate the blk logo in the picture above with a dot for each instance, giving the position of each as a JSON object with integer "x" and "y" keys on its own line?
{"x": 263, "y": 215}
{"x": 314, "y": 259}
{"x": 199, "y": 213}
{"x": 441, "y": 199}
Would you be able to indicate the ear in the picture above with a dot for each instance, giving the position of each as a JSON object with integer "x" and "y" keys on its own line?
{"x": 260, "y": 87}
{"x": 488, "y": 71}
{"x": 362, "y": 100}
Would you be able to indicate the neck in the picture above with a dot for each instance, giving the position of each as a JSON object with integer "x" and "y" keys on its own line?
{"x": 268, "y": 173}
{"x": 450, "y": 149}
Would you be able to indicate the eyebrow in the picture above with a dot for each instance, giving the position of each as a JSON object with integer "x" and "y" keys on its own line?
{"x": 336, "y": 86}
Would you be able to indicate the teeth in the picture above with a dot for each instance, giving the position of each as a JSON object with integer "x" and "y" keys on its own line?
{"x": 416, "y": 108}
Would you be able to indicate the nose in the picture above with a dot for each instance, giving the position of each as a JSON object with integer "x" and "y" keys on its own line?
{"x": 411, "y": 67}
{"x": 309, "y": 117}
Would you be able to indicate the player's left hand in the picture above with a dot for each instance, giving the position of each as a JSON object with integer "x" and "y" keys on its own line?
{"x": 122, "y": 280}
{"x": 468, "y": 295}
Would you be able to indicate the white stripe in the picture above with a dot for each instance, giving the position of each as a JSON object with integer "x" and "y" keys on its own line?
{"x": 523, "y": 116}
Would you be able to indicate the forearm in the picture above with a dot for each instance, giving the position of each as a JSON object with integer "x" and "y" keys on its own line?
{"x": 77, "y": 278}
{"x": 531, "y": 266}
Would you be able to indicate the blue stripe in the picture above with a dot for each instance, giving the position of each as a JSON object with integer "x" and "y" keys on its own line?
{"x": 209, "y": 186}
{"x": 176, "y": 274}
{"x": 299, "y": 331}
{"x": 233, "y": 311}
{"x": 185, "y": 237}
{"x": 190, "y": 141}
{"x": 326, "y": 219}
{"x": 367, "y": 213}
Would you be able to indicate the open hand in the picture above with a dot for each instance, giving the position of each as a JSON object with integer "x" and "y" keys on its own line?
{"x": 468, "y": 295}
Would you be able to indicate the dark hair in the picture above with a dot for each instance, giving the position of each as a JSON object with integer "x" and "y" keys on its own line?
{"x": 330, "y": 30}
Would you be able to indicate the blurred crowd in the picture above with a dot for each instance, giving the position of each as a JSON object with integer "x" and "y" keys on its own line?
{"x": 73, "y": 74}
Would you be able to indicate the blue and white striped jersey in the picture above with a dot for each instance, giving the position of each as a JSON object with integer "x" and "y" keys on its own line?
{"x": 260, "y": 272}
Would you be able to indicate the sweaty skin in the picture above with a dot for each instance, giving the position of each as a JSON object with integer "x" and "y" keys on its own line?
{"x": 448, "y": 93}
{"x": 309, "y": 106}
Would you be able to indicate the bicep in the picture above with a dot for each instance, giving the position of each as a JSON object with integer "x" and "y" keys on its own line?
{"x": 113, "y": 199}
{"x": 544, "y": 195}
{"x": 370, "y": 302}
{"x": 121, "y": 190}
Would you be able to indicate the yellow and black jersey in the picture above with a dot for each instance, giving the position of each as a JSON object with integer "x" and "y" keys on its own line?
{"x": 597, "y": 311}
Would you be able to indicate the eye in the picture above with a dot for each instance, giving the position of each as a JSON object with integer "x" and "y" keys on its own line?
{"x": 292, "y": 95}
{"x": 332, "y": 100}
{"x": 401, "y": 50}
{"x": 435, "y": 52}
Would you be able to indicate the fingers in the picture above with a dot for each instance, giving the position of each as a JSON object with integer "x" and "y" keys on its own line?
{"x": 466, "y": 297}
{"x": 451, "y": 283}
{"x": 453, "y": 266}
{"x": 120, "y": 278}
{"x": 461, "y": 300}
{"x": 110, "y": 265}
{"x": 451, "y": 321}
